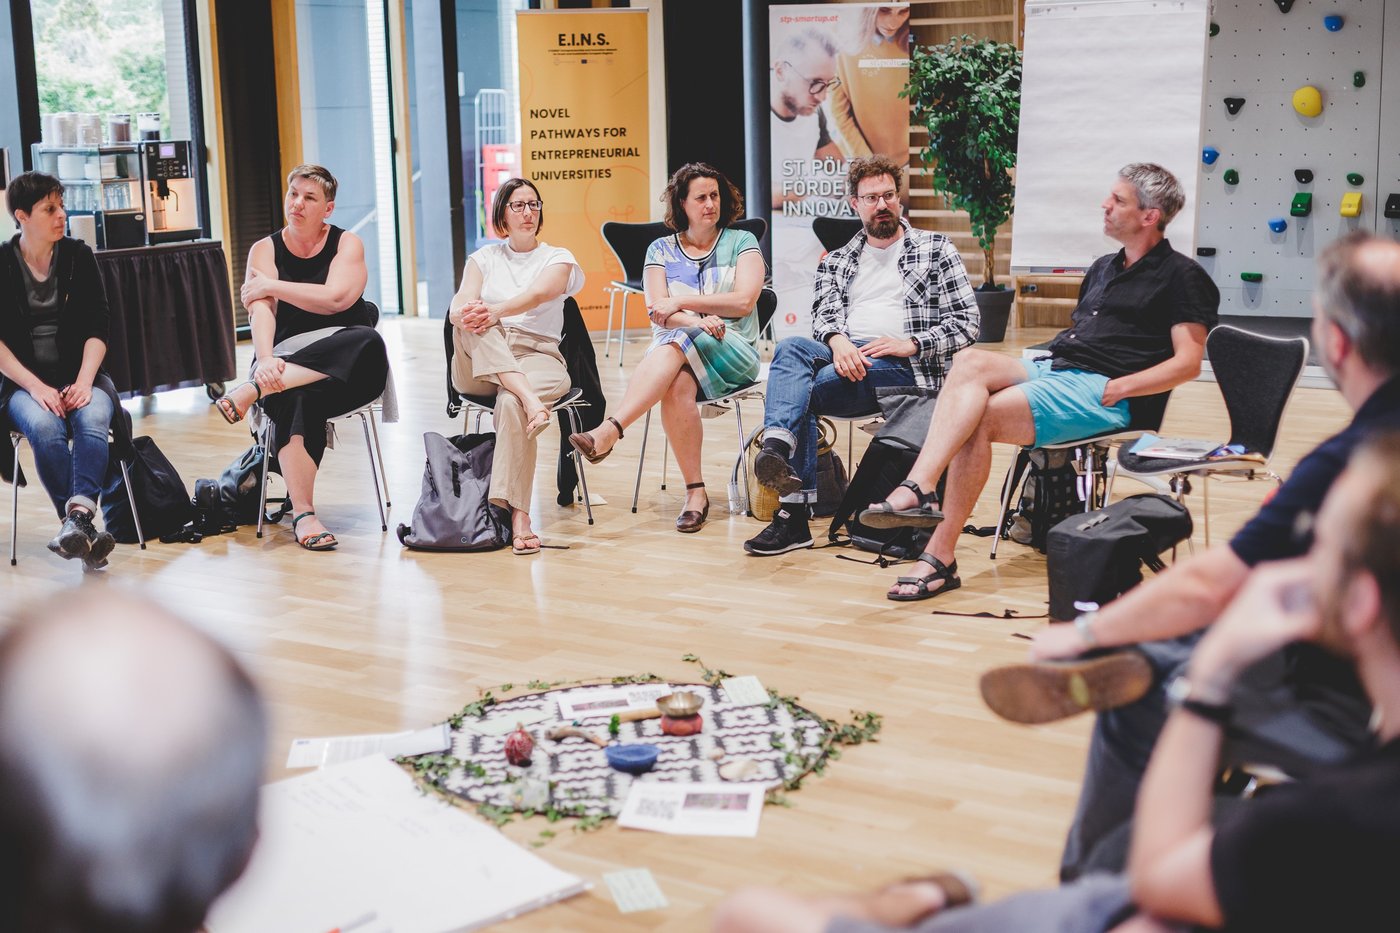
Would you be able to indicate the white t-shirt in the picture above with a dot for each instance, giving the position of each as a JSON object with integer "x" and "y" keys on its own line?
{"x": 506, "y": 273}
{"x": 877, "y": 295}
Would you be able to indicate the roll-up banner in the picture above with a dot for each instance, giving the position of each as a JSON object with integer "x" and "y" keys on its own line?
{"x": 583, "y": 132}
{"x": 836, "y": 73}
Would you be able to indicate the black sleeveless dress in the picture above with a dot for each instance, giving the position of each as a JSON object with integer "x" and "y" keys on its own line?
{"x": 354, "y": 360}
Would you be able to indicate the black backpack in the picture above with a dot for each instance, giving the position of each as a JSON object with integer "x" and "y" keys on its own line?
{"x": 1098, "y": 556}
{"x": 161, "y": 496}
{"x": 1050, "y": 493}
{"x": 240, "y": 488}
{"x": 882, "y": 467}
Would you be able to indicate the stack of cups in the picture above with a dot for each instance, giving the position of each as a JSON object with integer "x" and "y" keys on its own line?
{"x": 148, "y": 124}
{"x": 65, "y": 129}
{"x": 118, "y": 128}
{"x": 89, "y": 129}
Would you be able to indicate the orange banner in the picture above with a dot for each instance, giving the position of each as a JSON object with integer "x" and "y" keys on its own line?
{"x": 583, "y": 132}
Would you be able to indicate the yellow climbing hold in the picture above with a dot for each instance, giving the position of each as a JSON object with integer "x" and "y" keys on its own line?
{"x": 1307, "y": 100}
{"x": 1351, "y": 204}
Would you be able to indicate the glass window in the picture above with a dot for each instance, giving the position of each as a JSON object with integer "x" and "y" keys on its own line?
{"x": 109, "y": 63}
{"x": 342, "y": 60}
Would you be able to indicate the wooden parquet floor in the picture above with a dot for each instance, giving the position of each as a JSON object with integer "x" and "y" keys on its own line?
{"x": 374, "y": 638}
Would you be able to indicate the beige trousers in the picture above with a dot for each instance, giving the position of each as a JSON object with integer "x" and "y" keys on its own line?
{"x": 477, "y": 362}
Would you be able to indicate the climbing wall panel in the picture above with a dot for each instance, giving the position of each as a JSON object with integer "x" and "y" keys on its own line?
{"x": 1266, "y": 142}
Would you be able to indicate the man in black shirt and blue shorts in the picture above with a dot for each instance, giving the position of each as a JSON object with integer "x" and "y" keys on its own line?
{"x": 1298, "y": 709}
{"x": 1139, "y": 329}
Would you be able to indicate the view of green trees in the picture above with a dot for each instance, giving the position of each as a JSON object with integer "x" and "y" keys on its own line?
{"x": 101, "y": 56}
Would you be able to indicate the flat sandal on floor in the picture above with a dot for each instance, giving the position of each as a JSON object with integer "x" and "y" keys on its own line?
{"x": 947, "y": 574}
{"x": 323, "y": 541}
{"x": 691, "y": 521}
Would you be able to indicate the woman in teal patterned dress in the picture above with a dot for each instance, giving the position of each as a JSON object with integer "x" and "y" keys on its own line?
{"x": 702, "y": 283}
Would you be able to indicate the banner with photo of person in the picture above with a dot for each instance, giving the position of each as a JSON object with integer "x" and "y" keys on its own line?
{"x": 836, "y": 71}
{"x": 583, "y": 132}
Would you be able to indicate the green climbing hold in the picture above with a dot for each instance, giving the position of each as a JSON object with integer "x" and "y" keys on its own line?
{"x": 1232, "y": 177}
{"x": 1302, "y": 204}
{"x": 1252, "y": 276}
{"x": 1215, "y": 29}
{"x": 1354, "y": 178}
{"x": 1358, "y": 79}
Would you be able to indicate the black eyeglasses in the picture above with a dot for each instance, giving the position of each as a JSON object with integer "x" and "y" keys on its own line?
{"x": 815, "y": 86}
{"x": 519, "y": 206}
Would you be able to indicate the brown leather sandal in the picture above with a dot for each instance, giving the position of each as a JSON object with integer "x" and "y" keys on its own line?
{"x": 583, "y": 443}
{"x": 691, "y": 521}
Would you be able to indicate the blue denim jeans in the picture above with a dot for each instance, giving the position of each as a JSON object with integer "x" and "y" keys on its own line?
{"x": 70, "y": 477}
{"x": 803, "y": 383}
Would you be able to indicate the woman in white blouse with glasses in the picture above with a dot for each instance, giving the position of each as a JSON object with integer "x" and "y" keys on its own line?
{"x": 507, "y": 319}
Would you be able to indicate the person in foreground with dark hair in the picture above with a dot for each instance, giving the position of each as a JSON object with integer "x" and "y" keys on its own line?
{"x": 702, "y": 285}
{"x": 1139, "y": 329}
{"x": 1320, "y": 853}
{"x": 890, "y": 308}
{"x": 131, "y": 754}
{"x": 507, "y": 319}
{"x": 53, "y": 337}
{"x": 1305, "y": 700}
{"x": 316, "y": 352}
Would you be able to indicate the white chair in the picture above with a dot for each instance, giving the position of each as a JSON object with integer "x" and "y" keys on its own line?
{"x": 368, "y": 415}
{"x": 568, "y": 407}
{"x": 717, "y": 407}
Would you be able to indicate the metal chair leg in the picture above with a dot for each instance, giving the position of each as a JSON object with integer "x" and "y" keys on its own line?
{"x": 374, "y": 477}
{"x": 262, "y": 486}
{"x": 131, "y": 501}
{"x": 1205, "y": 503}
{"x": 622, "y": 330}
{"x": 739, "y": 417}
{"x": 641, "y": 458}
{"x": 379, "y": 455}
{"x": 577, "y": 427}
{"x": 607, "y": 339}
{"x": 1013, "y": 477}
{"x": 14, "y": 503}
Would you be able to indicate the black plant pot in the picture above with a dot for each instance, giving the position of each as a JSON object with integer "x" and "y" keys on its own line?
{"x": 994, "y": 306}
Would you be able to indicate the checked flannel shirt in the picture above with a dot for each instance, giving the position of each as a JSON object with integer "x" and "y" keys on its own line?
{"x": 939, "y": 307}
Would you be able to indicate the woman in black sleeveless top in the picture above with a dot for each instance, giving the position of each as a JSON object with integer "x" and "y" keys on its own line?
{"x": 304, "y": 281}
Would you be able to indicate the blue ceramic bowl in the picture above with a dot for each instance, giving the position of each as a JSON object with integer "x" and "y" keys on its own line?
{"x": 633, "y": 759}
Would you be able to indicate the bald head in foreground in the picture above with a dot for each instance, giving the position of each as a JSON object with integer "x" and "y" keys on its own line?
{"x": 131, "y": 752}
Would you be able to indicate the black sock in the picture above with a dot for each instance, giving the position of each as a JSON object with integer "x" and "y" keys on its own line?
{"x": 797, "y": 511}
{"x": 777, "y": 446}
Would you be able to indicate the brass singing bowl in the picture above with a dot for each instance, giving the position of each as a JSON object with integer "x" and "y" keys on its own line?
{"x": 680, "y": 704}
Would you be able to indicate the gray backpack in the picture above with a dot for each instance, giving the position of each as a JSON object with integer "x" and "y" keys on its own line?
{"x": 454, "y": 513}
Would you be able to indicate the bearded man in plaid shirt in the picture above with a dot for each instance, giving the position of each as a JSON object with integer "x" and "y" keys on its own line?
{"x": 891, "y": 307}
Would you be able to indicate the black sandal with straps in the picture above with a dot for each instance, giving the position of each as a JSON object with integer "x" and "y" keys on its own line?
{"x": 947, "y": 574}
{"x": 923, "y": 515}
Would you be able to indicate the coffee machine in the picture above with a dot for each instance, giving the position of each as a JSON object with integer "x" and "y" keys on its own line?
{"x": 171, "y": 191}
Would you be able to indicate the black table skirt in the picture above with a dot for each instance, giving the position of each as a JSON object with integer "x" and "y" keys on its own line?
{"x": 172, "y": 316}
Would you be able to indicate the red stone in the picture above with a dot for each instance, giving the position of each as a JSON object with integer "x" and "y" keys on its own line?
{"x": 681, "y": 725}
{"x": 519, "y": 746}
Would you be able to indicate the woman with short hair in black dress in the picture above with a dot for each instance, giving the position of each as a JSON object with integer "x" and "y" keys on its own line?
{"x": 316, "y": 352}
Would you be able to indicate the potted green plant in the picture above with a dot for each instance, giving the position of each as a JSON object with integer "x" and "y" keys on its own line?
{"x": 967, "y": 92}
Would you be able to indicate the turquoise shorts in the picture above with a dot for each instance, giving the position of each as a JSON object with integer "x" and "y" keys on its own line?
{"x": 1067, "y": 404}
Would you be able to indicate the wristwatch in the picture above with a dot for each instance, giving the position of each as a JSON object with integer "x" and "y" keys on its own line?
{"x": 1180, "y": 695}
{"x": 1084, "y": 625}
